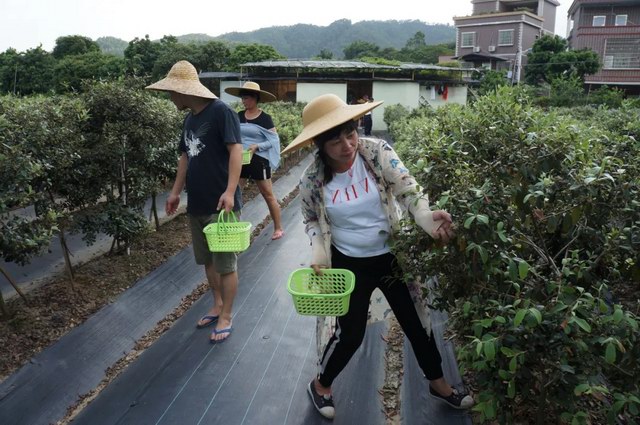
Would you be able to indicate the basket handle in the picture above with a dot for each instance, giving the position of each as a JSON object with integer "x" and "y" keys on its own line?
{"x": 222, "y": 222}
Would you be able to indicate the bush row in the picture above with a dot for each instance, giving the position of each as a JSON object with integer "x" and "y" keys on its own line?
{"x": 548, "y": 213}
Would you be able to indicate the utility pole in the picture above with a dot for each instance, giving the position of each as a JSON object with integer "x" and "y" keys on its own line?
{"x": 15, "y": 78}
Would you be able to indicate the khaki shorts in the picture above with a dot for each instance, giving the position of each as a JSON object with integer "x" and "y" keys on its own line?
{"x": 223, "y": 262}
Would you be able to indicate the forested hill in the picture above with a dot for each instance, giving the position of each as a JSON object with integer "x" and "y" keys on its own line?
{"x": 304, "y": 41}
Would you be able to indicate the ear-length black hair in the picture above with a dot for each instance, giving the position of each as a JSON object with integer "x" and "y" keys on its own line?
{"x": 321, "y": 139}
{"x": 250, "y": 93}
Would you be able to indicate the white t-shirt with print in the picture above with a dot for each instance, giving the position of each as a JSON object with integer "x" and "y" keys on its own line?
{"x": 359, "y": 225}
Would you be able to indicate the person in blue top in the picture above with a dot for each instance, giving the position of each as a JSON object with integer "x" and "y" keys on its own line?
{"x": 260, "y": 137}
{"x": 209, "y": 165}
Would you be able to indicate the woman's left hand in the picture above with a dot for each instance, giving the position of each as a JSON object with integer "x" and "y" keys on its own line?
{"x": 253, "y": 148}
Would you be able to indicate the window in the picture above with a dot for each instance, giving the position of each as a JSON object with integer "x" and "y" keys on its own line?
{"x": 622, "y": 53}
{"x": 505, "y": 38}
{"x": 621, "y": 20}
{"x": 599, "y": 21}
{"x": 468, "y": 39}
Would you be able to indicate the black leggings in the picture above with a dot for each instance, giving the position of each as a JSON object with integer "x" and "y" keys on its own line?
{"x": 375, "y": 272}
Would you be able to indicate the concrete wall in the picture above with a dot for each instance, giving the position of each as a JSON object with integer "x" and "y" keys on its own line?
{"x": 455, "y": 94}
{"x": 309, "y": 91}
{"x": 406, "y": 94}
{"x": 226, "y": 97}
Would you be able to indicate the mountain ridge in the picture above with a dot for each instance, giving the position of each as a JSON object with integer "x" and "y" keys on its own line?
{"x": 308, "y": 40}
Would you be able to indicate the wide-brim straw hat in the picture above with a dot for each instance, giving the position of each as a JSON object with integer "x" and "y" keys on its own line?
{"x": 183, "y": 78}
{"x": 252, "y": 87}
{"x": 322, "y": 114}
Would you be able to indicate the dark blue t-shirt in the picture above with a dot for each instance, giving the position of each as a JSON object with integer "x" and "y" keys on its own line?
{"x": 205, "y": 137}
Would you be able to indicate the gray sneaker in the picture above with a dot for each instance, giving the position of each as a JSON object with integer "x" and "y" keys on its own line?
{"x": 323, "y": 403}
{"x": 456, "y": 399}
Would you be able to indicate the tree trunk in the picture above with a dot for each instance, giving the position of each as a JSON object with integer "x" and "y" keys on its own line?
{"x": 14, "y": 284}
{"x": 67, "y": 259}
{"x": 125, "y": 187}
{"x": 4, "y": 311}
{"x": 154, "y": 210}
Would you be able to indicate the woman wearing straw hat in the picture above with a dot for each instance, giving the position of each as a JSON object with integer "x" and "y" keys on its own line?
{"x": 260, "y": 137}
{"x": 351, "y": 198}
{"x": 209, "y": 166}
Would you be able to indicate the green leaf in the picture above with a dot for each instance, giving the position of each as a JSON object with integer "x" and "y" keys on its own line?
{"x": 580, "y": 388}
{"x": 507, "y": 351}
{"x": 484, "y": 219}
{"x": 567, "y": 368}
{"x": 467, "y": 222}
{"x": 602, "y": 306}
{"x": 618, "y": 314}
{"x": 513, "y": 271}
{"x": 466, "y": 308}
{"x": 610, "y": 353}
{"x": 536, "y": 313}
{"x": 490, "y": 350}
{"x": 503, "y": 374}
{"x": 486, "y": 323}
{"x": 519, "y": 317}
{"x": 483, "y": 254}
{"x": 513, "y": 364}
{"x": 523, "y": 269}
{"x": 511, "y": 389}
{"x": 618, "y": 405}
{"x": 490, "y": 411}
{"x": 583, "y": 324}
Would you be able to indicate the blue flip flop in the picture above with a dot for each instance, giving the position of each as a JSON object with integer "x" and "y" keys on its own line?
{"x": 219, "y": 332}
{"x": 211, "y": 320}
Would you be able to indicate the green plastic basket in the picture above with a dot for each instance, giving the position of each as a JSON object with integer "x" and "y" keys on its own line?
{"x": 246, "y": 157}
{"x": 321, "y": 295}
{"x": 228, "y": 235}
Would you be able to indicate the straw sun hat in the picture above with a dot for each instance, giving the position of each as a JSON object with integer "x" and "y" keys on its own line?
{"x": 322, "y": 114}
{"x": 183, "y": 78}
{"x": 252, "y": 87}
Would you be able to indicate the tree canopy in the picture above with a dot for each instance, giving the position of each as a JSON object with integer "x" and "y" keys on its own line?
{"x": 549, "y": 59}
{"x": 74, "y": 45}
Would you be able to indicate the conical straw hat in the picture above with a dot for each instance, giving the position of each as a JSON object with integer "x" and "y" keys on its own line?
{"x": 322, "y": 114}
{"x": 183, "y": 78}
{"x": 250, "y": 86}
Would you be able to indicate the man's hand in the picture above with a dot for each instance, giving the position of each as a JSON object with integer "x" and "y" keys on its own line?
{"x": 317, "y": 269}
{"x": 171, "y": 206}
{"x": 226, "y": 202}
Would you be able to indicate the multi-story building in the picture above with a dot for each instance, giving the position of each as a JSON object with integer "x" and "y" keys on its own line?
{"x": 611, "y": 28}
{"x": 499, "y": 33}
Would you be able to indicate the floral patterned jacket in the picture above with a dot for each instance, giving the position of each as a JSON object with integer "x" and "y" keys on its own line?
{"x": 398, "y": 191}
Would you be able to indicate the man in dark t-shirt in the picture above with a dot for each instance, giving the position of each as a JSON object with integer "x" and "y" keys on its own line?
{"x": 209, "y": 166}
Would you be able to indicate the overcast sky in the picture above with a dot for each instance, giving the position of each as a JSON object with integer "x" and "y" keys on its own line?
{"x": 25, "y": 24}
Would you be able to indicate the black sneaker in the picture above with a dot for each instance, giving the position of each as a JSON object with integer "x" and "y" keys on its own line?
{"x": 456, "y": 399}
{"x": 323, "y": 403}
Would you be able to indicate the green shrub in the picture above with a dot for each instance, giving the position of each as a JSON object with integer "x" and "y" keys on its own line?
{"x": 548, "y": 226}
